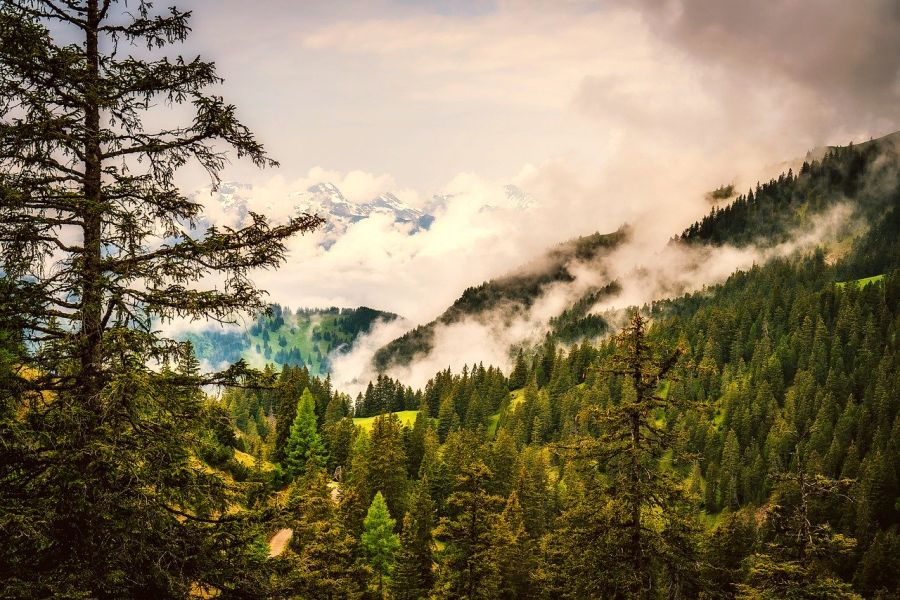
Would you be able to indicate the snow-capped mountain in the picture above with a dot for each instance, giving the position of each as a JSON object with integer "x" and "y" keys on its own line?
{"x": 232, "y": 202}
{"x": 326, "y": 200}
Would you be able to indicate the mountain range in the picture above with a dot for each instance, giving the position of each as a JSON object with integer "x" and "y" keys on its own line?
{"x": 237, "y": 200}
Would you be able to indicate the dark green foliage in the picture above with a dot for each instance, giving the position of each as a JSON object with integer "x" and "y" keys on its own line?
{"x": 102, "y": 493}
{"x": 468, "y": 562}
{"x": 413, "y": 575}
{"x": 320, "y": 561}
{"x": 648, "y": 531}
{"x": 386, "y": 468}
{"x": 772, "y": 212}
{"x": 723, "y": 192}
{"x": 519, "y": 372}
{"x": 385, "y": 395}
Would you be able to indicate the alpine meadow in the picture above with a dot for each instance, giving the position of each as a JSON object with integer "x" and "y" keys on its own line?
{"x": 580, "y": 300}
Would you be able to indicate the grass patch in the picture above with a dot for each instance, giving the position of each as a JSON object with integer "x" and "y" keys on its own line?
{"x": 248, "y": 460}
{"x": 709, "y": 521}
{"x": 861, "y": 283}
{"x": 492, "y": 423}
{"x": 407, "y": 418}
{"x": 663, "y": 391}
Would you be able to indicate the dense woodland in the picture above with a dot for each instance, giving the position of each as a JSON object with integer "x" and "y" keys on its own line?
{"x": 768, "y": 464}
{"x": 742, "y": 441}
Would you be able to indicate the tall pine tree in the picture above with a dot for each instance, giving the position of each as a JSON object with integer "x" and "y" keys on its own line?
{"x": 97, "y": 245}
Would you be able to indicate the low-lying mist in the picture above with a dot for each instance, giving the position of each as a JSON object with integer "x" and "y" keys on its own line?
{"x": 646, "y": 270}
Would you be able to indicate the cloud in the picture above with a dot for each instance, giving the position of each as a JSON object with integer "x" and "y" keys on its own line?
{"x": 605, "y": 113}
{"x": 646, "y": 270}
{"x": 845, "y": 53}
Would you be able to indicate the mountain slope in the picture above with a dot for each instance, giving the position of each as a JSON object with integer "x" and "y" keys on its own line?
{"x": 513, "y": 295}
{"x": 303, "y": 338}
{"x": 863, "y": 178}
{"x": 860, "y": 175}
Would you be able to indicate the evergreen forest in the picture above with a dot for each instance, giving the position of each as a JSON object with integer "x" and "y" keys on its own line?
{"x": 741, "y": 441}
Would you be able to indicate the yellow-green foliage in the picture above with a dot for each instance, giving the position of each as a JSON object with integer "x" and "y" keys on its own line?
{"x": 407, "y": 419}
{"x": 861, "y": 283}
{"x": 249, "y": 461}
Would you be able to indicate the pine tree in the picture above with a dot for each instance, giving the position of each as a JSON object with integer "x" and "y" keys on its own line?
{"x": 413, "y": 575}
{"x": 647, "y": 507}
{"x": 304, "y": 444}
{"x": 112, "y": 503}
{"x": 468, "y": 562}
{"x": 379, "y": 543}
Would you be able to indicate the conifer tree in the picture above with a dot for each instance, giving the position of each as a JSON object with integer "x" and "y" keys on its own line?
{"x": 304, "y": 444}
{"x": 468, "y": 562}
{"x": 386, "y": 461}
{"x": 802, "y": 554}
{"x": 519, "y": 373}
{"x": 647, "y": 509}
{"x": 514, "y": 551}
{"x": 413, "y": 576}
{"x": 320, "y": 558}
{"x": 379, "y": 543}
{"x": 97, "y": 245}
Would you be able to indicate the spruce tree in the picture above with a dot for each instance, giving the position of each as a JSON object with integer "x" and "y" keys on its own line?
{"x": 519, "y": 373}
{"x": 97, "y": 245}
{"x": 514, "y": 551}
{"x": 413, "y": 575}
{"x": 468, "y": 562}
{"x": 320, "y": 560}
{"x": 386, "y": 462}
{"x": 647, "y": 512}
{"x": 379, "y": 543}
{"x": 304, "y": 444}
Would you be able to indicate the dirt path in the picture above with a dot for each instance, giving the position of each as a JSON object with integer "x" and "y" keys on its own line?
{"x": 279, "y": 541}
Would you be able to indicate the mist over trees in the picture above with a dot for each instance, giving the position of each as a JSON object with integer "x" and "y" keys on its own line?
{"x": 738, "y": 442}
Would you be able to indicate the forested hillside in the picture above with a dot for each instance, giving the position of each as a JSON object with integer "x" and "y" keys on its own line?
{"x": 738, "y": 442}
{"x": 506, "y": 297}
{"x": 282, "y": 337}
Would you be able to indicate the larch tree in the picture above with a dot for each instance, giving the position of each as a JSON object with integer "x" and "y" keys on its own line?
{"x": 100, "y": 485}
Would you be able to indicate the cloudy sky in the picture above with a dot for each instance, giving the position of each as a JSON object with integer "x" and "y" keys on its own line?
{"x": 605, "y": 112}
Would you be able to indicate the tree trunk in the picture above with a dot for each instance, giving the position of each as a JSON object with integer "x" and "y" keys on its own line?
{"x": 91, "y": 336}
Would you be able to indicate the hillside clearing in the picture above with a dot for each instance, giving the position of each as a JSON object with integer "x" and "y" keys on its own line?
{"x": 861, "y": 283}
{"x": 407, "y": 419}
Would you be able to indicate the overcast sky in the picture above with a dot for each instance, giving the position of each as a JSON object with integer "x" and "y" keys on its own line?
{"x": 604, "y": 111}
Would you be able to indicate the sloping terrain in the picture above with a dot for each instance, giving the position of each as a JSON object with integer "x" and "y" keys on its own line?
{"x": 513, "y": 295}
{"x": 302, "y": 338}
